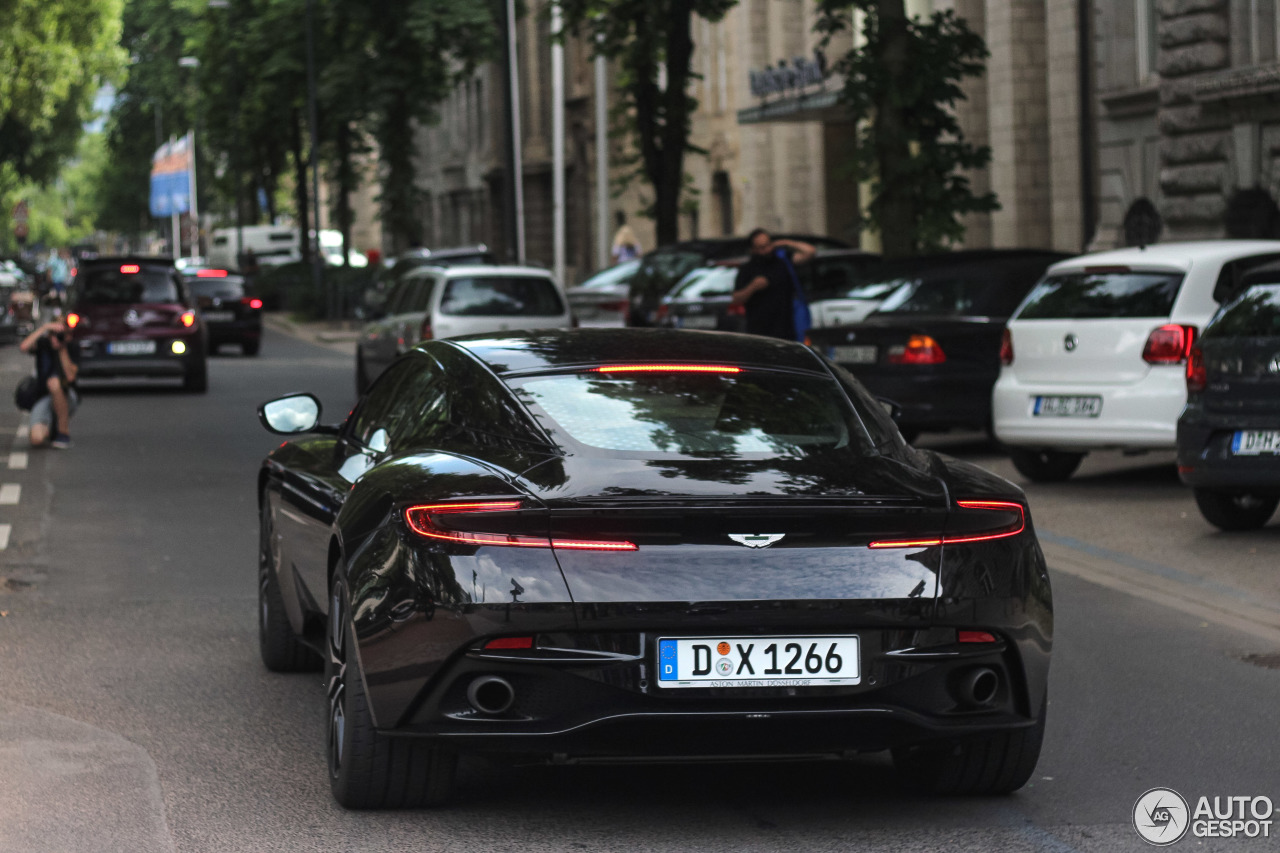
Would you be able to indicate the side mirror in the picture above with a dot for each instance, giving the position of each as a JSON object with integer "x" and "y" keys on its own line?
{"x": 379, "y": 441}
{"x": 892, "y": 409}
{"x": 297, "y": 413}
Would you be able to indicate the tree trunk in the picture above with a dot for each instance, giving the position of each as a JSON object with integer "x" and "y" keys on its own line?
{"x": 893, "y": 152}
{"x": 346, "y": 181}
{"x": 675, "y": 127}
{"x": 300, "y": 188}
{"x": 399, "y": 213}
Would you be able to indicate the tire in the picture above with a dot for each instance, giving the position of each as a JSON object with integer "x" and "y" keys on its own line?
{"x": 1045, "y": 466}
{"x": 1235, "y": 512}
{"x": 992, "y": 764}
{"x": 196, "y": 379}
{"x": 362, "y": 380}
{"x": 250, "y": 347}
{"x": 281, "y": 649}
{"x": 368, "y": 770}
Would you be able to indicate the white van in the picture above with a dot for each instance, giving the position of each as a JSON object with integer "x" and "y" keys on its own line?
{"x": 272, "y": 245}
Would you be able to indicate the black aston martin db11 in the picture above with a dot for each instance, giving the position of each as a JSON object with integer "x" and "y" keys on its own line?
{"x": 622, "y": 543}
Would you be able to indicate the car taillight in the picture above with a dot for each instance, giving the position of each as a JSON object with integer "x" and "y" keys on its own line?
{"x": 1017, "y": 522}
{"x": 1197, "y": 375}
{"x": 736, "y": 310}
{"x": 130, "y": 269}
{"x": 919, "y": 349}
{"x": 425, "y": 332}
{"x": 663, "y": 311}
{"x": 1169, "y": 344}
{"x": 211, "y": 273}
{"x": 510, "y": 643}
{"x": 1006, "y": 348}
{"x": 667, "y": 368}
{"x": 187, "y": 318}
{"x": 255, "y": 304}
{"x": 73, "y": 320}
{"x": 423, "y": 520}
{"x": 975, "y": 637}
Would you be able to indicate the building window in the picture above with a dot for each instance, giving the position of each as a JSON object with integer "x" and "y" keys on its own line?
{"x": 1147, "y": 39}
{"x": 722, "y": 191}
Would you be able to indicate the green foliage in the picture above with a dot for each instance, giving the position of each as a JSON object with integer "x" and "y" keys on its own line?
{"x": 641, "y": 37}
{"x": 902, "y": 86}
{"x": 289, "y": 287}
{"x": 54, "y": 54}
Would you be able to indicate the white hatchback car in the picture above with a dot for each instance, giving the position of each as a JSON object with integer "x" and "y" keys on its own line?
{"x": 1095, "y": 357}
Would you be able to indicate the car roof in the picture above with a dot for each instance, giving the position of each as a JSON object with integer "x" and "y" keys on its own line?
{"x": 108, "y": 260}
{"x": 1179, "y": 256}
{"x": 549, "y": 349}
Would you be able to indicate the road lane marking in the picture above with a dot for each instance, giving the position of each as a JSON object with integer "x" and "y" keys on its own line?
{"x": 18, "y": 460}
{"x": 10, "y": 494}
{"x": 5, "y": 531}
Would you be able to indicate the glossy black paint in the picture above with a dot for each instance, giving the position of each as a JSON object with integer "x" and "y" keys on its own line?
{"x": 422, "y": 609}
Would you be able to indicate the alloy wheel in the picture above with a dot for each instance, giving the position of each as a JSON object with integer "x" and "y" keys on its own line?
{"x": 336, "y": 687}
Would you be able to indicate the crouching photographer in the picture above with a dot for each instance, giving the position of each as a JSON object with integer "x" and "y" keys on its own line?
{"x": 57, "y": 365}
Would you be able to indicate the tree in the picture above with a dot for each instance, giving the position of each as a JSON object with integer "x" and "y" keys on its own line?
{"x": 54, "y": 54}
{"x": 902, "y": 85}
{"x": 650, "y": 40}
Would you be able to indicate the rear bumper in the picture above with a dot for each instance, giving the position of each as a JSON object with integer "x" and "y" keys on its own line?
{"x": 133, "y": 366}
{"x": 236, "y": 330}
{"x": 1205, "y": 459}
{"x": 1141, "y": 416}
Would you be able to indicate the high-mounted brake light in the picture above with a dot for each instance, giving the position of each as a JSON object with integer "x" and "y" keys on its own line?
{"x": 73, "y": 320}
{"x": 211, "y": 273}
{"x": 1012, "y": 529}
{"x": 919, "y": 349}
{"x": 187, "y": 318}
{"x": 421, "y": 521}
{"x": 130, "y": 269}
{"x": 1169, "y": 344}
{"x": 1197, "y": 373}
{"x": 1006, "y": 348}
{"x": 667, "y": 368}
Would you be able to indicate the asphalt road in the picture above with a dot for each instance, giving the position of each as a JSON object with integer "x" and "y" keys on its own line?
{"x": 135, "y": 715}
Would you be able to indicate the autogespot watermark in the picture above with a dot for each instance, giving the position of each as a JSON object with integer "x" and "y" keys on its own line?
{"x": 1162, "y": 817}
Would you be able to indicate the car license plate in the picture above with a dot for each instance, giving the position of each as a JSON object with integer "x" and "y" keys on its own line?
{"x": 131, "y": 347}
{"x": 688, "y": 322}
{"x": 218, "y": 316}
{"x": 758, "y": 661}
{"x": 854, "y": 355}
{"x": 1256, "y": 442}
{"x": 1067, "y": 407}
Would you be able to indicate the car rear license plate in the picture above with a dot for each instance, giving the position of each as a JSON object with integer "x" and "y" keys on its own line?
{"x": 1256, "y": 442}
{"x": 131, "y": 347}
{"x": 218, "y": 316}
{"x": 688, "y": 322}
{"x": 758, "y": 661}
{"x": 1067, "y": 407}
{"x": 854, "y": 355}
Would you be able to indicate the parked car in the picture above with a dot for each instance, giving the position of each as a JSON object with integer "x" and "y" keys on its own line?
{"x": 843, "y": 286}
{"x": 374, "y": 302}
{"x": 230, "y": 314}
{"x": 663, "y": 267}
{"x": 603, "y": 299}
{"x": 271, "y": 245}
{"x": 133, "y": 316}
{"x": 703, "y": 299}
{"x": 439, "y": 302}
{"x": 1094, "y": 357}
{"x": 617, "y": 543}
{"x": 1229, "y": 433}
{"x": 933, "y": 345}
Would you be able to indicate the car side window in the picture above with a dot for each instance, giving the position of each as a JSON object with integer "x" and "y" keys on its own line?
{"x": 382, "y": 407}
{"x": 424, "y": 420}
{"x": 1231, "y": 278}
{"x": 421, "y": 301}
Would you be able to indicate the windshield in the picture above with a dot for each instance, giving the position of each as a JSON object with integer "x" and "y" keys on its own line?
{"x": 501, "y": 296}
{"x": 230, "y": 287}
{"x": 847, "y": 278}
{"x": 1088, "y": 295}
{"x": 704, "y": 283}
{"x": 1255, "y": 314}
{"x": 752, "y": 414}
{"x": 613, "y": 276}
{"x": 110, "y": 286}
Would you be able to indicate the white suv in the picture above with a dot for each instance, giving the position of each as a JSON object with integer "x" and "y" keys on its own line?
{"x": 1095, "y": 356}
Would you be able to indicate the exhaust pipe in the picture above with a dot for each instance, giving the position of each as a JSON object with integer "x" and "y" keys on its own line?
{"x": 978, "y": 686}
{"x": 491, "y": 694}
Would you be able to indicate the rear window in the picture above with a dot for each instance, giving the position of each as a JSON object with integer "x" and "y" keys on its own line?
{"x": 110, "y": 286}
{"x": 501, "y": 296}
{"x": 950, "y": 295}
{"x": 1082, "y": 296}
{"x": 846, "y": 278}
{"x": 700, "y": 284}
{"x": 1255, "y": 314}
{"x": 216, "y": 288}
{"x": 752, "y": 414}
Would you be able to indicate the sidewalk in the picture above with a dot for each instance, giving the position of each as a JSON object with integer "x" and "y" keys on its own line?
{"x": 337, "y": 335}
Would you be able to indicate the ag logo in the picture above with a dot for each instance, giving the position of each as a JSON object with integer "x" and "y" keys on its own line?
{"x": 756, "y": 540}
{"x": 1070, "y": 342}
{"x": 1274, "y": 366}
{"x": 1161, "y": 816}
{"x": 132, "y": 318}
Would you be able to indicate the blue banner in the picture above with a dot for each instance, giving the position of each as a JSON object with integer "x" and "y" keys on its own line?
{"x": 171, "y": 178}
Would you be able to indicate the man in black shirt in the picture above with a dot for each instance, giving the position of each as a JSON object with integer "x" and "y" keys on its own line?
{"x": 57, "y": 364}
{"x": 765, "y": 288}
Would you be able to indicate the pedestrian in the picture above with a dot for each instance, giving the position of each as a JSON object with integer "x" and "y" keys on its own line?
{"x": 767, "y": 287}
{"x": 59, "y": 271}
{"x": 57, "y": 365}
{"x": 626, "y": 246}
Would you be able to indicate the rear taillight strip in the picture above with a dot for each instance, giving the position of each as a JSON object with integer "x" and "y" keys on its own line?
{"x": 961, "y": 539}
{"x": 420, "y": 521}
{"x": 667, "y": 368}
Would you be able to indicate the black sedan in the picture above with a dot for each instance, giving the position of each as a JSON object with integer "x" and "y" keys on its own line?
{"x": 933, "y": 346}
{"x": 229, "y": 313}
{"x": 1229, "y": 432}
{"x": 555, "y": 544}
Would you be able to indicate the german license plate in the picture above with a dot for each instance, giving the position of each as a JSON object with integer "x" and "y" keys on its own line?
{"x": 854, "y": 355}
{"x": 131, "y": 347}
{"x": 758, "y": 661}
{"x": 1256, "y": 442}
{"x": 1067, "y": 407}
{"x": 218, "y": 316}
{"x": 697, "y": 322}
